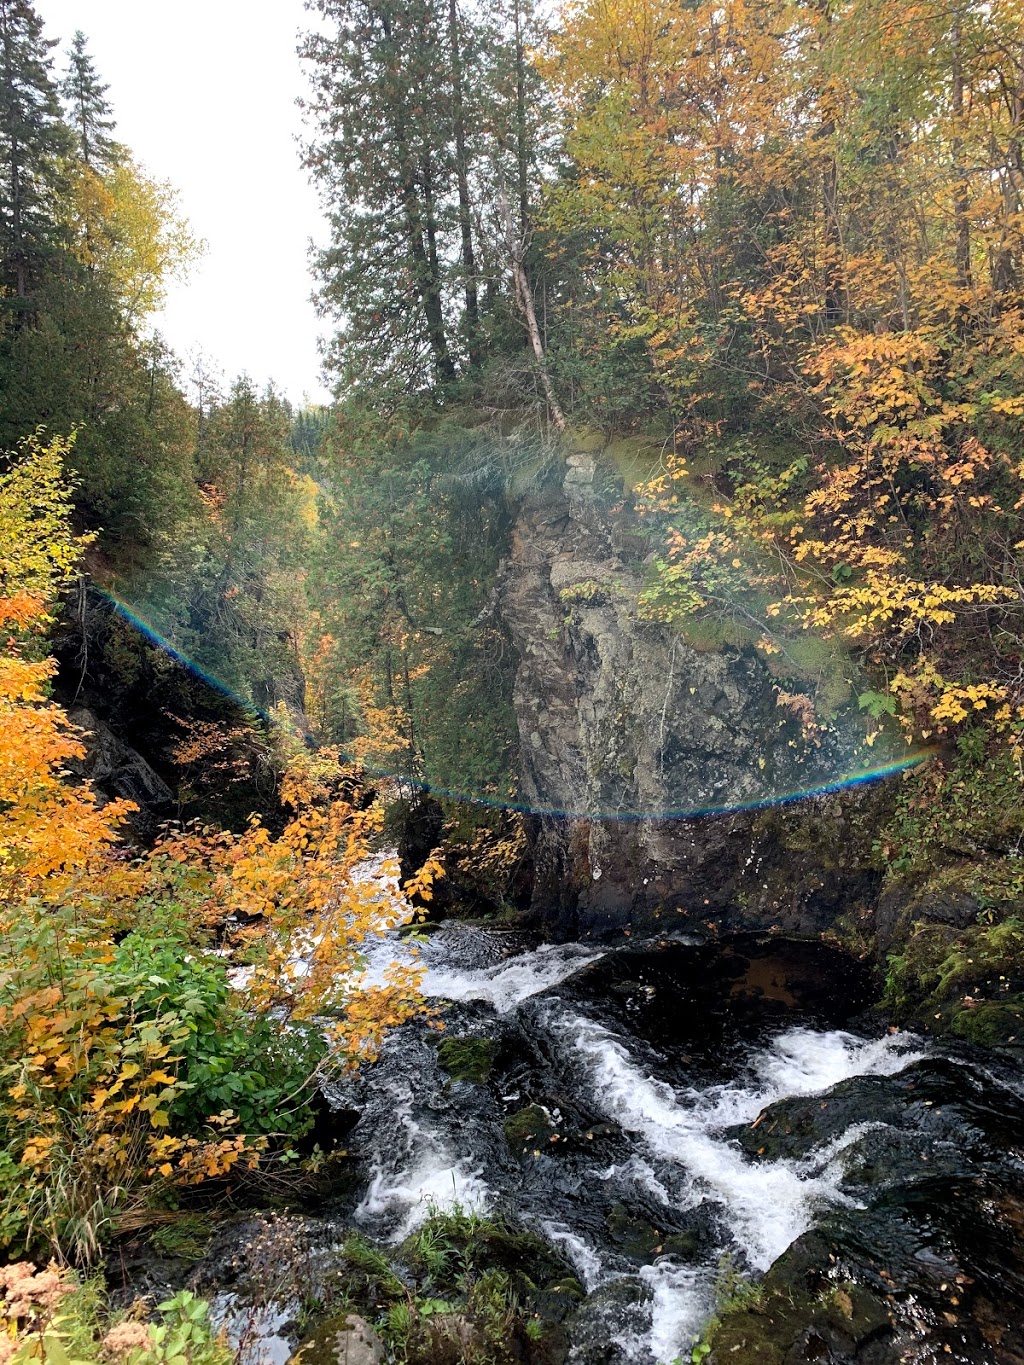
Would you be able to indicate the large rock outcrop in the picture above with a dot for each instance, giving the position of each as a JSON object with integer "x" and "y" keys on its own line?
{"x": 115, "y": 769}
{"x": 628, "y": 733}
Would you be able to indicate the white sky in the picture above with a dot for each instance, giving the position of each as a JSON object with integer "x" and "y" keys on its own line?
{"x": 204, "y": 95}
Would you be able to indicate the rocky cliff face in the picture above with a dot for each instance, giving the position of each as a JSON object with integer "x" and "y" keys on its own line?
{"x": 627, "y": 732}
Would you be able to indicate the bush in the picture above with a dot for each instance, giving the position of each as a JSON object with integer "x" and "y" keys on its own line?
{"x": 124, "y": 1062}
{"x": 51, "y": 1317}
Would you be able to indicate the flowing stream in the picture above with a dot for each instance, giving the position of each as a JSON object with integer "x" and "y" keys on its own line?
{"x": 668, "y": 1116}
{"x": 634, "y": 1172}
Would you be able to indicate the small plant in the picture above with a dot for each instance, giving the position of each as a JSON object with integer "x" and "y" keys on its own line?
{"x": 187, "y": 1237}
{"x": 588, "y": 593}
{"x": 52, "y": 1318}
{"x": 365, "y": 1257}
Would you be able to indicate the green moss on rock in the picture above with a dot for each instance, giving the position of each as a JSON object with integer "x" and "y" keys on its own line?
{"x": 468, "y": 1059}
{"x": 991, "y": 1022}
{"x": 529, "y": 1127}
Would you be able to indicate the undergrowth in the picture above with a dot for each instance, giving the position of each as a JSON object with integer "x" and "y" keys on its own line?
{"x": 463, "y": 1287}
{"x": 53, "y": 1317}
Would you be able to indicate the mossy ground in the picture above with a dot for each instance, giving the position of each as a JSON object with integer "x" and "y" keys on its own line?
{"x": 951, "y": 854}
{"x": 187, "y": 1238}
{"x": 463, "y": 1289}
{"x": 794, "y": 1313}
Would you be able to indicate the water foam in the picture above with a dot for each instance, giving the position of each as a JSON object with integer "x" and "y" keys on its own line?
{"x": 681, "y": 1299}
{"x": 766, "y": 1205}
{"x": 432, "y": 1182}
{"x": 585, "y": 1259}
{"x": 415, "y": 1172}
{"x": 506, "y": 984}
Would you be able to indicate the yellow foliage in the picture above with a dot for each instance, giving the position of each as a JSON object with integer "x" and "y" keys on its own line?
{"x": 127, "y": 227}
{"x": 93, "y": 1080}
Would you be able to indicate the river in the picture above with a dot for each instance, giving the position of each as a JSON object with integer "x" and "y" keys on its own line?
{"x": 677, "y": 1114}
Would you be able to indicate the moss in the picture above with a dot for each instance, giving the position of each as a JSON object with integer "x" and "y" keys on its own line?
{"x": 958, "y": 977}
{"x": 819, "y": 662}
{"x": 795, "y": 1303}
{"x": 425, "y": 926}
{"x": 635, "y": 459}
{"x": 187, "y": 1238}
{"x": 468, "y": 1059}
{"x": 529, "y": 1127}
{"x": 965, "y": 814}
{"x": 990, "y": 1023}
{"x": 321, "y": 1347}
{"x": 709, "y": 634}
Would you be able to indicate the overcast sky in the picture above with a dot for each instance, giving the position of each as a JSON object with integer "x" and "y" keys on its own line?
{"x": 204, "y": 94}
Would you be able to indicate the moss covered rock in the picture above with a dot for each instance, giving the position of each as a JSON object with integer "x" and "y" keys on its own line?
{"x": 530, "y": 1127}
{"x": 468, "y": 1059}
{"x": 798, "y": 1313}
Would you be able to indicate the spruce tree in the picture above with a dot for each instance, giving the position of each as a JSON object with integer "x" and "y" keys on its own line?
{"x": 32, "y": 137}
{"x": 89, "y": 112}
{"x": 384, "y": 161}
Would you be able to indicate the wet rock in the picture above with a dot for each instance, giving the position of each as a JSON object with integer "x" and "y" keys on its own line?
{"x": 530, "y": 1127}
{"x": 116, "y": 769}
{"x": 610, "y": 1317}
{"x": 619, "y": 715}
{"x": 703, "y": 998}
{"x": 637, "y": 1238}
{"x": 559, "y": 1300}
{"x": 803, "y": 1311}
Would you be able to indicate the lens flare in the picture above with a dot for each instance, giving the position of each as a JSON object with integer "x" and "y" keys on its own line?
{"x": 150, "y": 632}
{"x": 878, "y": 773}
{"x": 838, "y": 784}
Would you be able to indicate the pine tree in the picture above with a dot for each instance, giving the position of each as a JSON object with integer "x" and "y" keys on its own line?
{"x": 89, "y": 112}
{"x": 32, "y": 137}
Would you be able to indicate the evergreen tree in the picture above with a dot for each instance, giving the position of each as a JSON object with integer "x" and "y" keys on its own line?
{"x": 32, "y": 137}
{"x": 384, "y": 163}
{"x": 425, "y": 117}
{"x": 89, "y": 112}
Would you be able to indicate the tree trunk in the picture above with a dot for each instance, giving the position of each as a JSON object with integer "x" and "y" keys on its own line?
{"x": 524, "y": 297}
{"x": 433, "y": 305}
{"x": 1006, "y": 267}
{"x": 962, "y": 227}
{"x": 462, "y": 176}
{"x": 522, "y": 135}
{"x": 17, "y": 253}
{"x": 834, "y": 290}
{"x": 425, "y": 264}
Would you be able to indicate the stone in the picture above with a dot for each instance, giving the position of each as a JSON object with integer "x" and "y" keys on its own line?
{"x": 115, "y": 767}
{"x": 358, "y": 1343}
{"x": 353, "y": 1342}
{"x": 619, "y": 715}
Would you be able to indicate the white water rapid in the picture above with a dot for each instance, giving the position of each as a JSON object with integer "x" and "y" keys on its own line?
{"x": 433, "y": 1143}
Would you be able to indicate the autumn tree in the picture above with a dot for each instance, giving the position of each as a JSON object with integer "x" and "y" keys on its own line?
{"x": 128, "y": 1063}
